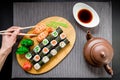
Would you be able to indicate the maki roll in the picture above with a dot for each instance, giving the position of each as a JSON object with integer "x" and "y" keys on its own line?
{"x": 32, "y": 61}
{"x": 28, "y": 55}
{"x": 45, "y": 42}
{"x": 62, "y": 36}
{"x": 57, "y": 32}
{"x": 45, "y": 59}
{"x": 45, "y": 50}
{"x": 63, "y": 43}
{"x": 53, "y": 42}
{"x": 37, "y": 49}
{"x": 36, "y": 58}
{"x": 37, "y": 66}
{"x": 53, "y": 52}
{"x": 50, "y": 37}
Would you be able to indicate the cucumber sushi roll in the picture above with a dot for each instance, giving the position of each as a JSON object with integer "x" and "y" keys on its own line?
{"x": 57, "y": 32}
{"x": 28, "y": 55}
{"x": 45, "y": 50}
{"x": 45, "y": 42}
{"x": 53, "y": 42}
{"x": 63, "y": 43}
{"x": 45, "y": 59}
{"x": 37, "y": 66}
{"x": 37, "y": 49}
{"x": 62, "y": 36}
{"x": 36, "y": 58}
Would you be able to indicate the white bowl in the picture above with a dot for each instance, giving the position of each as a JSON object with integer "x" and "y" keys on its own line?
{"x": 95, "y": 18}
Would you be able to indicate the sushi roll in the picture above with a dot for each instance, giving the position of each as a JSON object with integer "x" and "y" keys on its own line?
{"x": 49, "y": 56}
{"x": 41, "y": 63}
{"x": 62, "y": 36}
{"x": 45, "y": 59}
{"x": 32, "y": 61}
{"x": 45, "y": 42}
{"x": 50, "y": 37}
{"x": 53, "y": 42}
{"x": 53, "y": 52}
{"x": 63, "y": 43}
{"x": 37, "y": 66}
{"x": 37, "y": 49}
{"x": 36, "y": 58}
{"x": 45, "y": 50}
{"x": 57, "y": 32}
{"x": 28, "y": 55}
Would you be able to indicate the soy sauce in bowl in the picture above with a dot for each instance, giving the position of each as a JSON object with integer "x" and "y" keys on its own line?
{"x": 85, "y": 16}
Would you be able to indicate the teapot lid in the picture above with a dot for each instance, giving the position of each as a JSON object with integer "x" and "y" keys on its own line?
{"x": 101, "y": 53}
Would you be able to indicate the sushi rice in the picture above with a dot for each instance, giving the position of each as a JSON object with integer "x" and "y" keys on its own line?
{"x": 53, "y": 52}
{"x": 37, "y": 66}
{"x": 45, "y": 59}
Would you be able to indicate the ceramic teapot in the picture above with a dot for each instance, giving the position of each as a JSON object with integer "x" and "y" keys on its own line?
{"x": 98, "y": 52}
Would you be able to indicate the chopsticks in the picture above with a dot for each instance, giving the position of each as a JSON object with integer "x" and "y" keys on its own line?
{"x": 20, "y": 34}
{"x": 6, "y": 32}
{"x": 22, "y": 28}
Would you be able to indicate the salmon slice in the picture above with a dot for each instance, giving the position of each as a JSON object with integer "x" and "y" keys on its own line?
{"x": 39, "y": 28}
{"x": 44, "y": 34}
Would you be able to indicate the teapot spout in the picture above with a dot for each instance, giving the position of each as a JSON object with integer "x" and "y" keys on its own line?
{"x": 108, "y": 69}
{"x": 89, "y": 35}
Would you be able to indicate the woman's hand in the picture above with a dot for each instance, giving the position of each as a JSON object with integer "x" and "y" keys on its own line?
{"x": 9, "y": 40}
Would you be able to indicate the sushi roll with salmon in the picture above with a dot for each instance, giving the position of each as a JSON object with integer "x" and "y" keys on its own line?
{"x": 53, "y": 43}
{"x": 36, "y": 58}
{"x": 45, "y": 50}
{"x": 62, "y": 36}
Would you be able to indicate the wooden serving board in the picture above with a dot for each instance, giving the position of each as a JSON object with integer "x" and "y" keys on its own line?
{"x": 54, "y": 61}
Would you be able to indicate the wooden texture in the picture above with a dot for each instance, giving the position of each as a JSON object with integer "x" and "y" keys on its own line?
{"x": 54, "y": 61}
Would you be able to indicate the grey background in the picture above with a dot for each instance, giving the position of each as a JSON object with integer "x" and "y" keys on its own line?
{"x": 74, "y": 65}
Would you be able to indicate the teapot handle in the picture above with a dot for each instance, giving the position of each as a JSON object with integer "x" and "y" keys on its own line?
{"x": 108, "y": 69}
{"x": 89, "y": 35}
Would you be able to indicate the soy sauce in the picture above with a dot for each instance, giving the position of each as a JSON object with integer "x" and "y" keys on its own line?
{"x": 85, "y": 16}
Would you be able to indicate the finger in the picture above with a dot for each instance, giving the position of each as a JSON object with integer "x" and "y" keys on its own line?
{"x": 15, "y": 33}
{"x": 13, "y": 28}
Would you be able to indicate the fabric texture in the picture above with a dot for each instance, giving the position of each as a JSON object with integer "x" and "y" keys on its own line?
{"x": 74, "y": 65}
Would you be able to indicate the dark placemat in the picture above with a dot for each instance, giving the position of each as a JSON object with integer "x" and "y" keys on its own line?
{"x": 74, "y": 65}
